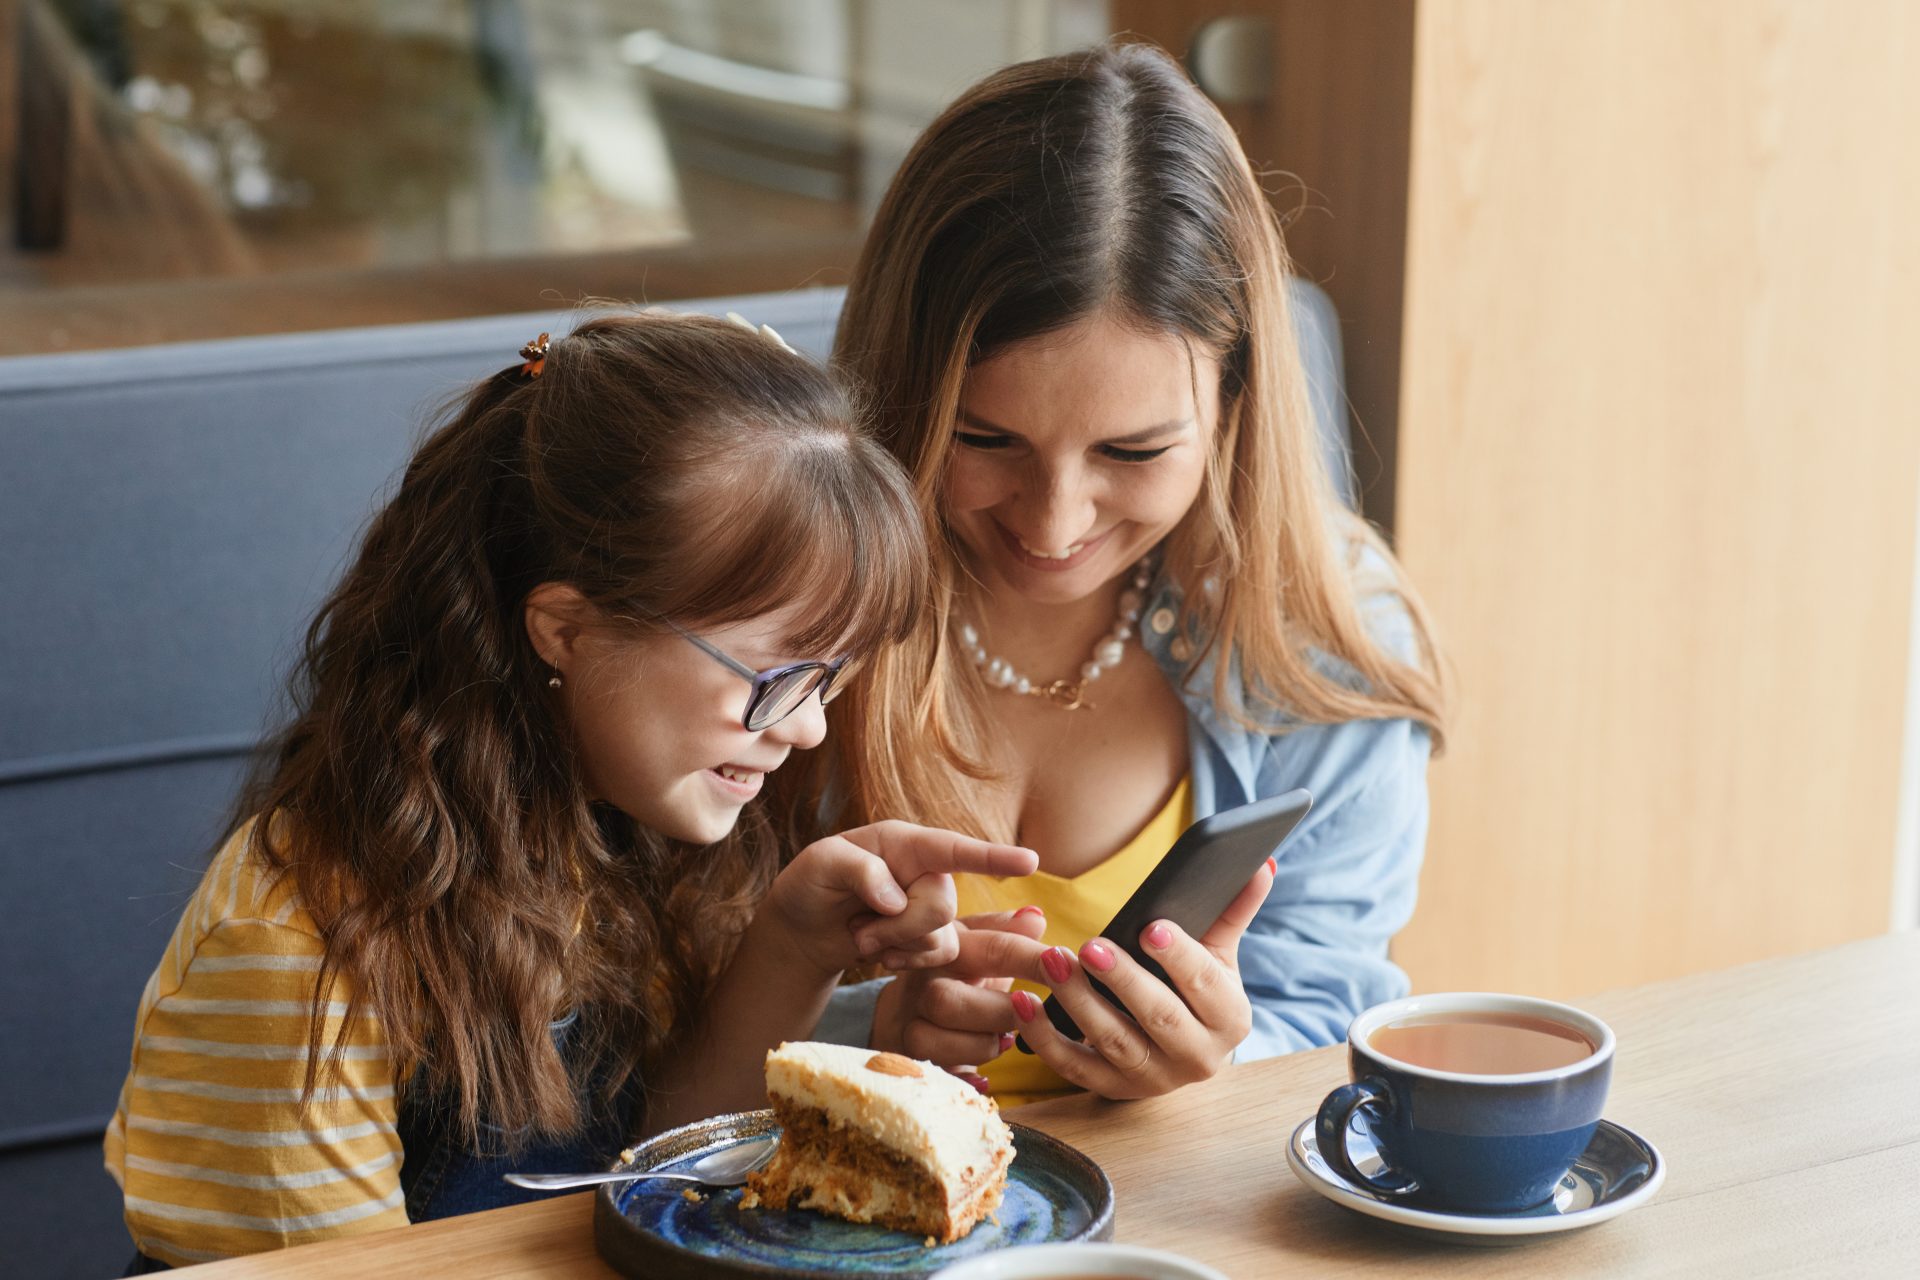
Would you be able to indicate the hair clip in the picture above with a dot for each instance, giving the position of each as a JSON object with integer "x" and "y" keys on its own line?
{"x": 535, "y": 355}
{"x": 765, "y": 331}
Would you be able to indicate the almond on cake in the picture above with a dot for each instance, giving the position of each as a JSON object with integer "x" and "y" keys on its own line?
{"x": 881, "y": 1138}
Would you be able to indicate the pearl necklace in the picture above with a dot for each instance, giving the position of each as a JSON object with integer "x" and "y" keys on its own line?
{"x": 1108, "y": 650}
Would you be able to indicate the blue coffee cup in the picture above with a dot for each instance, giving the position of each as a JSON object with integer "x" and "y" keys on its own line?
{"x": 1478, "y": 1143}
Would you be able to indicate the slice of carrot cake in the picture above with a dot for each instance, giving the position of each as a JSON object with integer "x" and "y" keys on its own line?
{"x": 875, "y": 1137}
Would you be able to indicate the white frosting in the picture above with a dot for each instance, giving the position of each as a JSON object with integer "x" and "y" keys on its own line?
{"x": 934, "y": 1118}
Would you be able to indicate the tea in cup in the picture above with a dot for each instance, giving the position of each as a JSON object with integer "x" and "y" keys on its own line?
{"x": 1476, "y": 1102}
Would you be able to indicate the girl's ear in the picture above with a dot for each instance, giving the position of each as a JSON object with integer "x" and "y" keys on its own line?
{"x": 556, "y": 615}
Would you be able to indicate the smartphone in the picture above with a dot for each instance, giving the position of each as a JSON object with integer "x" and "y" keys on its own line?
{"x": 1206, "y": 868}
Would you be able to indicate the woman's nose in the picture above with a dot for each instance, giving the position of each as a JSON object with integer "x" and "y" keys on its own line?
{"x": 1054, "y": 512}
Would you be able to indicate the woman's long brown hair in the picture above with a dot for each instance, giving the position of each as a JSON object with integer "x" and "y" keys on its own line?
{"x": 426, "y": 796}
{"x": 1048, "y": 192}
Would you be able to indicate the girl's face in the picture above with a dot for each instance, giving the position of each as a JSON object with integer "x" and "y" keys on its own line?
{"x": 658, "y": 721}
{"x": 1076, "y": 453}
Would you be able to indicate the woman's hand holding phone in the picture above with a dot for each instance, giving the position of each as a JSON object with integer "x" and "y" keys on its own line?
{"x": 1163, "y": 1036}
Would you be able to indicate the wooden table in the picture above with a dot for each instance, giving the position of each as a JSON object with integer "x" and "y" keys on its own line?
{"x": 1785, "y": 1097}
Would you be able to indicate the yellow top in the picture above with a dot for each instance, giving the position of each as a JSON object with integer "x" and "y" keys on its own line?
{"x": 1077, "y": 909}
{"x": 212, "y": 1149}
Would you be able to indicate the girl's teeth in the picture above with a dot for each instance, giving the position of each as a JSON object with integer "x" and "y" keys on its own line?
{"x": 734, "y": 775}
{"x": 1052, "y": 555}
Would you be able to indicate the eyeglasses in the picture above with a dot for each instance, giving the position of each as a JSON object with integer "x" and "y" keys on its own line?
{"x": 777, "y": 691}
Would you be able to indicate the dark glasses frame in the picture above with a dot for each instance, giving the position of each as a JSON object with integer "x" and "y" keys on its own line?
{"x": 775, "y": 685}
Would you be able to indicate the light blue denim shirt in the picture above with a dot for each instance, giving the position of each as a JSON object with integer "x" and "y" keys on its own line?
{"x": 1316, "y": 954}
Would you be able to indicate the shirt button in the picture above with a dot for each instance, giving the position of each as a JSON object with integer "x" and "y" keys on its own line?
{"x": 1180, "y": 649}
{"x": 1161, "y": 621}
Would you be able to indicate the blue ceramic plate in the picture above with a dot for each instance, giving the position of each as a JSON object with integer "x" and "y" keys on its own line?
{"x": 1618, "y": 1171}
{"x": 651, "y": 1229}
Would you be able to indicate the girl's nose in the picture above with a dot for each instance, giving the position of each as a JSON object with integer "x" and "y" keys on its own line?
{"x": 804, "y": 727}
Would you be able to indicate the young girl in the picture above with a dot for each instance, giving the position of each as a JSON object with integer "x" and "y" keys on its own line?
{"x": 1072, "y": 317}
{"x": 501, "y": 899}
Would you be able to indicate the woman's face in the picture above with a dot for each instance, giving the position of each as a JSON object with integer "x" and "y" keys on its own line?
{"x": 1076, "y": 452}
{"x": 658, "y": 721}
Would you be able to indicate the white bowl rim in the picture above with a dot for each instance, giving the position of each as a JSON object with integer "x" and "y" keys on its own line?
{"x": 1084, "y": 1251}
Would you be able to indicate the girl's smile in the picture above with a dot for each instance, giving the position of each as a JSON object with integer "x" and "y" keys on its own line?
{"x": 739, "y": 781}
{"x": 658, "y": 722}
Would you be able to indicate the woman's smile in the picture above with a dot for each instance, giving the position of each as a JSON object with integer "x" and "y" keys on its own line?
{"x": 1070, "y": 557}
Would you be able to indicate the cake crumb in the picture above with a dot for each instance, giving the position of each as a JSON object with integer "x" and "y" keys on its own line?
{"x": 929, "y": 1243}
{"x": 692, "y": 1197}
{"x": 626, "y": 1157}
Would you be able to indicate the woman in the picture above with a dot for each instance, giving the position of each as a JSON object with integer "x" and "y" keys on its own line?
{"x": 501, "y": 898}
{"x": 1072, "y": 320}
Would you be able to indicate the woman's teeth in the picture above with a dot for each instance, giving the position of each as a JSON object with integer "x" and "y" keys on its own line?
{"x": 736, "y": 775}
{"x": 1038, "y": 554}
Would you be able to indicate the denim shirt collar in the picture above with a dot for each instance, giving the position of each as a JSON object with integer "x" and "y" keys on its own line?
{"x": 1222, "y": 740}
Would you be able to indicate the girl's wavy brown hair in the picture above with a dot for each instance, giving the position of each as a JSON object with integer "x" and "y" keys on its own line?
{"x": 426, "y": 796}
{"x": 1049, "y": 191}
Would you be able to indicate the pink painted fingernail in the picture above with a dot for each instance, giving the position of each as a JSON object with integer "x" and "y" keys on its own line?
{"x": 1025, "y": 1006}
{"x": 1098, "y": 958}
{"x": 1273, "y": 868}
{"x": 1007, "y": 1038}
{"x": 977, "y": 1081}
{"x": 1057, "y": 963}
{"x": 1159, "y": 937}
{"x": 1030, "y": 910}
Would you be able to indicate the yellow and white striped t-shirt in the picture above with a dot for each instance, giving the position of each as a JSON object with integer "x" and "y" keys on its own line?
{"x": 210, "y": 1144}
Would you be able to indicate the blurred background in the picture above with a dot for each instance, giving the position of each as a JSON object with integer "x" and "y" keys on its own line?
{"x": 1627, "y": 294}
{"x": 423, "y": 159}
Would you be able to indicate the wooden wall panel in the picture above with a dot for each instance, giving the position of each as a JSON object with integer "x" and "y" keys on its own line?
{"x": 1331, "y": 145}
{"x": 1659, "y": 444}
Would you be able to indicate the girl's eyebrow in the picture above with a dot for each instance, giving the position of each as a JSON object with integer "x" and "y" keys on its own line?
{"x": 1142, "y": 436}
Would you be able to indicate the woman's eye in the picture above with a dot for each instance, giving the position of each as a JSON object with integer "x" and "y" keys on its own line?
{"x": 1132, "y": 455}
{"x": 981, "y": 440}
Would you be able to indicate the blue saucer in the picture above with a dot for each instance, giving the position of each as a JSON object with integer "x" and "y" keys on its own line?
{"x": 652, "y": 1229}
{"x": 1618, "y": 1171}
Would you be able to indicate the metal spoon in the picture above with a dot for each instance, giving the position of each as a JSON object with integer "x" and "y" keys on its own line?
{"x": 727, "y": 1167}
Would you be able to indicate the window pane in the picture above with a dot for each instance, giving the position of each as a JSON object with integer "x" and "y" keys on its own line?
{"x": 202, "y": 168}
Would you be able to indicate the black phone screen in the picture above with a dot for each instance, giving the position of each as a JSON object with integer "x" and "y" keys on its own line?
{"x": 1208, "y": 865}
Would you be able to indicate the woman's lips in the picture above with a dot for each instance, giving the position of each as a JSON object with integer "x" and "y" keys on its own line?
{"x": 1048, "y": 564}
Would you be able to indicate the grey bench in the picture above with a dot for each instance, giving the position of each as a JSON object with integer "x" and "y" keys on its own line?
{"x": 169, "y": 519}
